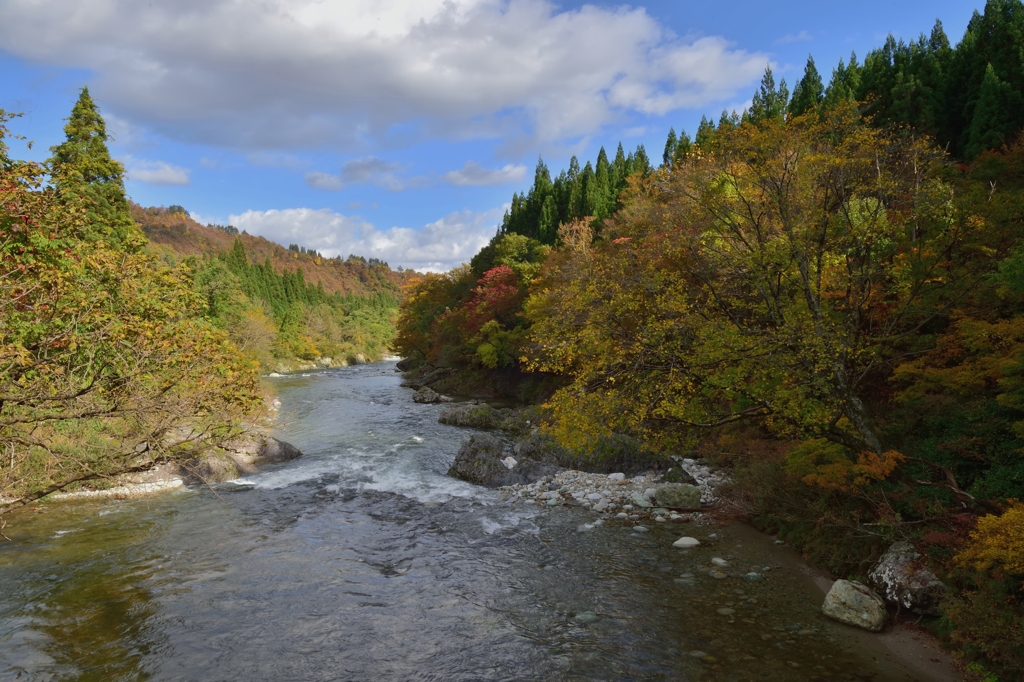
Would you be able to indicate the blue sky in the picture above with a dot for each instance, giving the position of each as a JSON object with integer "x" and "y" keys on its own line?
{"x": 399, "y": 129}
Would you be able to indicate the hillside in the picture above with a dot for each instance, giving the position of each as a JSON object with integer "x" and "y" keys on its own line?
{"x": 173, "y": 233}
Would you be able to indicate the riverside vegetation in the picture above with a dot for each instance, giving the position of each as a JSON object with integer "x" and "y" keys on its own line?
{"x": 118, "y": 353}
{"x": 824, "y": 293}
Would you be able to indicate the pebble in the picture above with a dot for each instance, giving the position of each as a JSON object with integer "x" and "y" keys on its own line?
{"x": 720, "y": 562}
{"x": 718, "y": 575}
{"x": 622, "y": 515}
{"x": 585, "y": 617}
{"x": 697, "y": 654}
{"x": 602, "y": 504}
{"x": 553, "y": 502}
{"x": 616, "y": 477}
{"x": 725, "y": 611}
{"x": 753, "y": 577}
{"x": 686, "y": 543}
{"x": 594, "y": 496}
{"x": 639, "y": 529}
{"x": 660, "y": 518}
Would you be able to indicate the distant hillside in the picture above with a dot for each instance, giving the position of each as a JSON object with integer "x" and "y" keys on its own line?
{"x": 285, "y": 308}
{"x": 171, "y": 231}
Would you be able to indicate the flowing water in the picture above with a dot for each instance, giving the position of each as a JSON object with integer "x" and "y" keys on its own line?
{"x": 363, "y": 561}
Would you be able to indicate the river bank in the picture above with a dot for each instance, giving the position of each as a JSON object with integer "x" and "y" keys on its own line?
{"x": 363, "y": 560}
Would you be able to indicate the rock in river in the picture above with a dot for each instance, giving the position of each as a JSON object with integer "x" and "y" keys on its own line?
{"x": 686, "y": 543}
{"x": 678, "y": 496}
{"x": 429, "y": 395}
{"x": 855, "y": 604}
{"x": 481, "y": 460}
{"x": 902, "y": 580}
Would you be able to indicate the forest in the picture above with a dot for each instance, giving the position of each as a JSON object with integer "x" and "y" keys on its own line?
{"x": 119, "y": 352}
{"x": 824, "y": 293}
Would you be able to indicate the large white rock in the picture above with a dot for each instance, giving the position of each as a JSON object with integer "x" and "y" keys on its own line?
{"x": 902, "y": 579}
{"x": 686, "y": 543}
{"x": 855, "y": 604}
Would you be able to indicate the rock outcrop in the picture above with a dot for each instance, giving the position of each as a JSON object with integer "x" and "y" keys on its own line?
{"x": 855, "y": 604}
{"x": 244, "y": 455}
{"x": 483, "y": 460}
{"x": 902, "y": 580}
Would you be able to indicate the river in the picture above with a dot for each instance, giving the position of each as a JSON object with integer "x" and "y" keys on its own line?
{"x": 363, "y": 561}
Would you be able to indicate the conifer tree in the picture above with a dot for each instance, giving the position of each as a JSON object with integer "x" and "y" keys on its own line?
{"x": 670, "y": 149}
{"x": 769, "y": 102}
{"x": 705, "y": 131}
{"x": 993, "y": 120}
{"x": 87, "y": 179}
{"x": 809, "y": 91}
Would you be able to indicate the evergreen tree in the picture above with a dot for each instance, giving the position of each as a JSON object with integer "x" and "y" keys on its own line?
{"x": 993, "y": 121}
{"x": 769, "y": 102}
{"x": 86, "y": 178}
{"x": 809, "y": 91}
{"x": 669, "y": 154}
{"x": 705, "y": 131}
{"x": 683, "y": 147}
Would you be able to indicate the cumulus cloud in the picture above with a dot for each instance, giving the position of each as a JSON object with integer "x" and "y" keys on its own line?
{"x": 475, "y": 175}
{"x": 286, "y": 73}
{"x": 436, "y": 247}
{"x": 156, "y": 172}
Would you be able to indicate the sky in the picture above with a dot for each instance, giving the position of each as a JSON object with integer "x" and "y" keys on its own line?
{"x": 399, "y": 129}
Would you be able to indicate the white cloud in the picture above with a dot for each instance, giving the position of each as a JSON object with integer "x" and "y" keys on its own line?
{"x": 156, "y": 172}
{"x": 439, "y": 246}
{"x": 292, "y": 73}
{"x": 475, "y": 175}
{"x": 801, "y": 37}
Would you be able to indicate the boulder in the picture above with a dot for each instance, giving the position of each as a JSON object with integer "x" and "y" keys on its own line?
{"x": 902, "y": 580}
{"x": 855, "y": 604}
{"x": 638, "y": 500}
{"x": 481, "y": 460}
{"x": 406, "y": 364}
{"x": 678, "y": 496}
{"x": 429, "y": 395}
{"x": 475, "y": 416}
{"x": 273, "y": 451}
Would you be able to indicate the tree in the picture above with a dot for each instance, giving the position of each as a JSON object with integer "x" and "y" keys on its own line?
{"x": 773, "y": 280}
{"x": 106, "y": 363}
{"x": 87, "y": 179}
{"x": 809, "y": 92}
{"x": 769, "y": 102}
{"x": 994, "y": 115}
{"x": 669, "y": 155}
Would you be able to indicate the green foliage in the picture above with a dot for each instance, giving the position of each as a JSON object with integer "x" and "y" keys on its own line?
{"x": 106, "y": 362}
{"x": 87, "y": 179}
{"x": 809, "y": 93}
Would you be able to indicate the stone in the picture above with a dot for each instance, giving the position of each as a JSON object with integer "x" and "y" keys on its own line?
{"x": 622, "y": 515}
{"x": 753, "y": 577}
{"x": 649, "y": 493}
{"x": 678, "y": 496}
{"x": 718, "y": 575}
{"x": 428, "y": 395}
{"x": 481, "y": 460}
{"x": 686, "y": 543}
{"x": 594, "y": 497}
{"x": 640, "y": 529}
{"x": 510, "y": 462}
{"x": 902, "y": 580}
{"x": 474, "y": 416}
{"x": 586, "y": 617}
{"x": 725, "y": 612}
{"x": 855, "y": 604}
{"x": 601, "y": 505}
{"x": 639, "y": 500}
{"x": 554, "y": 502}
{"x": 720, "y": 562}
{"x": 616, "y": 477}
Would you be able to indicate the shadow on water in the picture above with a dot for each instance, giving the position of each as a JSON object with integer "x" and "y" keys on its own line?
{"x": 362, "y": 560}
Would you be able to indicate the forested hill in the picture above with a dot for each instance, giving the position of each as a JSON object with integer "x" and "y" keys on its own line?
{"x": 173, "y": 233}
